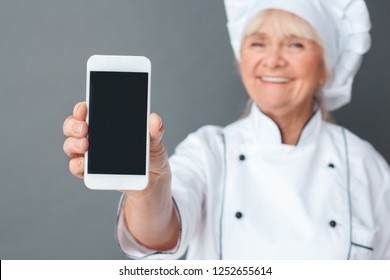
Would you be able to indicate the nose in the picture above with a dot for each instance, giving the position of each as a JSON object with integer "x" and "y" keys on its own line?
{"x": 273, "y": 58}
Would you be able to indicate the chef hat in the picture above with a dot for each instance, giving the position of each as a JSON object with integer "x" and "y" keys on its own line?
{"x": 342, "y": 24}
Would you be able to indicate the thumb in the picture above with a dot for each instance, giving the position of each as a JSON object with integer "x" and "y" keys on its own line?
{"x": 156, "y": 130}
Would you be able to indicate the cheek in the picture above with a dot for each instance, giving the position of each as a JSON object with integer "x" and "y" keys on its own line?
{"x": 247, "y": 67}
{"x": 247, "y": 77}
{"x": 311, "y": 70}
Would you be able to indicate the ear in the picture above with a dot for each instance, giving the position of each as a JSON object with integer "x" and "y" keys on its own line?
{"x": 321, "y": 82}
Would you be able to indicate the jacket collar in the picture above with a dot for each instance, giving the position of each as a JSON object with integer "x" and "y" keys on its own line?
{"x": 266, "y": 131}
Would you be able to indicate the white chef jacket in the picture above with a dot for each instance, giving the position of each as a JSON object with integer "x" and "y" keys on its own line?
{"x": 240, "y": 193}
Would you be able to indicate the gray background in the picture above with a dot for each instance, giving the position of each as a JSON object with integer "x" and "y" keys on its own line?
{"x": 45, "y": 213}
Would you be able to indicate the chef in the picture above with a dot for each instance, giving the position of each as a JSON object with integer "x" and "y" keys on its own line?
{"x": 282, "y": 182}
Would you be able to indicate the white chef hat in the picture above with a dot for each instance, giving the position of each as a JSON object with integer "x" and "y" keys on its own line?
{"x": 342, "y": 24}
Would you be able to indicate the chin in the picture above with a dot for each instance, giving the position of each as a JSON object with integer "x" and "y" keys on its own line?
{"x": 277, "y": 108}
{"x": 272, "y": 105}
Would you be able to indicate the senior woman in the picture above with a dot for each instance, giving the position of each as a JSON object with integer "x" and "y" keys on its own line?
{"x": 282, "y": 182}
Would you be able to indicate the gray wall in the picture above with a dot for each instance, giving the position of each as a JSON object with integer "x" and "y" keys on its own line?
{"x": 45, "y": 213}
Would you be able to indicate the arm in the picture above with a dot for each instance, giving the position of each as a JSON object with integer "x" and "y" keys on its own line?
{"x": 149, "y": 214}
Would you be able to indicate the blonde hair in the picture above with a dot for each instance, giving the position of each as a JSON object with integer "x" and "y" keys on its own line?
{"x": 286, "y": 24}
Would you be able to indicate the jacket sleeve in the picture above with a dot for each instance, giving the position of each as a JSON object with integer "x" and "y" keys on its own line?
{"x": 188, "y": 192}
{"x": 382, "y": 213}
{"x": 370, "y": 201}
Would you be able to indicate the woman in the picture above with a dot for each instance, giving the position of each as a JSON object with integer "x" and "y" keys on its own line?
{"x": 281, "y": 183}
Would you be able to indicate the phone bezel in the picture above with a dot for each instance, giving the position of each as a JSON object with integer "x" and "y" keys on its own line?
{"x": 113, "y": 63}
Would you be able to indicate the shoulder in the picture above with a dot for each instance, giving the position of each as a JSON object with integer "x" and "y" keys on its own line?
{"x": 364, "y": 155}
{"x": 240, "y": 125}
{"x": 239, "y": 131}
{"x": 205, "y": 146}
{"x": 200, "y": 152}
{"x": 200, "y": 145}
{"x": 211, "y": 135}
{"x": 361, "y": 148}
{"x": 205, "y": 136}
{"x": 364, "y": 160}
{"x": 357, "y": 147}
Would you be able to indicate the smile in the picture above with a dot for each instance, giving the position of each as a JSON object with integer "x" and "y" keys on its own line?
{"x": 280, "y": 80}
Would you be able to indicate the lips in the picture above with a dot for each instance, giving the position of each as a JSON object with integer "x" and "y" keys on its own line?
{"x": 273, "y": 79}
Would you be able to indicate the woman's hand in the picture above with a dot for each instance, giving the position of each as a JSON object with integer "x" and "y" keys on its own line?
{"x": 76, "y": 144}
{"x": 149, "y": 214}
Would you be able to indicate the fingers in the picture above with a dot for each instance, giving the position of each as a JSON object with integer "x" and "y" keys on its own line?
{"x": 156, "y": 130}
{"x": 75, "y": 125}
{"x": 74, "y": 147}
{"x": 75, "y": 128}
{"x": 76, "y": 144}
{"x": 80, "y": 111}
{"x": 76, "y": 167}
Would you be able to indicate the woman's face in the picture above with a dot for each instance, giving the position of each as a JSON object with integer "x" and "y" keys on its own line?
{"x": 281, "y": 74}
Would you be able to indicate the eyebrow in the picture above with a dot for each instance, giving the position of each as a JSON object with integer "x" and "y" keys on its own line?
{"x": 263, "y": 35}
{"x": 259, "y": 34}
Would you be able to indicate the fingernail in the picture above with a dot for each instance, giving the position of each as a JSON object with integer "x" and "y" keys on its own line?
{"x": 78, "y": 143}
{"x": 161, "y": 126}
{"x": 78, "y": 127}
{"x": 75, "y": 110}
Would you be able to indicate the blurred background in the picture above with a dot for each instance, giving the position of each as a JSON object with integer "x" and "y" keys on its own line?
{"x": 45, "y": 213}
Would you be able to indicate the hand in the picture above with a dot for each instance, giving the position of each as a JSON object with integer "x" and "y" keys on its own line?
{"x": 76, "y": 144}
{"x": 159, "y": 170}
{"x": 144, "y": 210}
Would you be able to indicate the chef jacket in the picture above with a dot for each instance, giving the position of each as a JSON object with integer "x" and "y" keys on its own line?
{"x": 240, "y": 193}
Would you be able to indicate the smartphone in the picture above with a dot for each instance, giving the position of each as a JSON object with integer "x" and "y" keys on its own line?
{"x": 118, "y": 101}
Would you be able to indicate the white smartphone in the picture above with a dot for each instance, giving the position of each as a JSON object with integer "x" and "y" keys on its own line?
{"x": 118, "y": 101}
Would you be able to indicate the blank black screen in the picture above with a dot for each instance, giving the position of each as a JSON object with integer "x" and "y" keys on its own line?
{"x": 117, "y": 123}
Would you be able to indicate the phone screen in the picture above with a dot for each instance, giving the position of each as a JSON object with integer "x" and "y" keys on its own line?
{"x": 117, "y": 123}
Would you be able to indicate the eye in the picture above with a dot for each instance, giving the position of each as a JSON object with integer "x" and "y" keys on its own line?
{"x": 296, "y": 45}
{"x": 257, "y": 44}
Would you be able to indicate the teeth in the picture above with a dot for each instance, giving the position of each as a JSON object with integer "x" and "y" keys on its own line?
{"x": 275, "y": 79}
